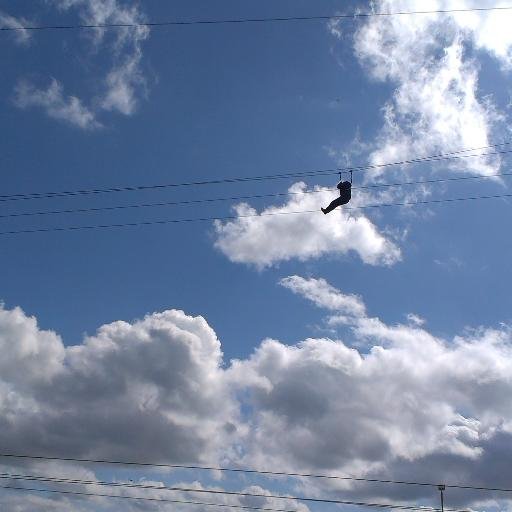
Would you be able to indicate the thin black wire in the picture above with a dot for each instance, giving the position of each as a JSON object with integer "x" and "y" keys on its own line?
{"x": 250, "y": 471}
{"x": 352, "y": 16}
{"x": 185, "y": 502}
{"x": 180, "y": 502}
{"x": 293, "y": 174}
{"x": 454, "y": 155}
{"x": 234, "y": 217}
{"x": 238, "y": 198}
{"x": 429, "y": 201}
{"x": 33, "y": 478}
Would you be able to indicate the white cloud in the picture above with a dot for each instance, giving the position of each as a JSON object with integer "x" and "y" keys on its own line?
{"x": 124, "y": 83}
{"x": 56, "y": 104}
{"x": 25, "y": 502}
{"x": 490, "y": 30}
{"x": 415, "y": 319}
{"x": 270, "y": 237}
{"x": 334, "y": 26}
{"x": 7, "y": 21}
{"x": 30, "y": 358}
{"x": 152, "y": 388}
{"x": 324, "y": 295}
{"x": 411, "y": 405}
{"x": 436, "y": 106}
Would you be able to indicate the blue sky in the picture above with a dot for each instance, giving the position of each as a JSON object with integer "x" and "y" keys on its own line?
{"x": 216, "y": 109}
{"x": 83, "y": 110}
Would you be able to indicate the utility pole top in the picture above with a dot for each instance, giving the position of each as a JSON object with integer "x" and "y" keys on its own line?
{"x": 441, "y": 488}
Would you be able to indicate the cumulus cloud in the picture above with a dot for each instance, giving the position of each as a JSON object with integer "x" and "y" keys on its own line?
{"x": 436, "y": 106}
{"x": 25, "y": 501}
{"x": 273, "y": 235}
{"x": 409, "y": 405}
{"x": 153, "y": 389}
{"x": 259, "y": 497}
{"x": 412, "y": 402}
{"x": 124, "y": 83}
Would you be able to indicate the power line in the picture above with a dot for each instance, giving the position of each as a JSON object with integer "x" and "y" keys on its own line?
{"x": 429, "y": 201}
{"x": 186, "y": 502}
{"x": 153, "y": 205}
{"x": 145, "y": 223}
{"x": 152, "y": 487}
{"x": 234, "y": 217}
{"x": 180, "y": 502}
{"x": 454, "y": 155}
{"x": 239, "y": 198}
{"x": 233, "y": 21}
{"x": 293, "y": 174}
{"x": 251, "y": 471}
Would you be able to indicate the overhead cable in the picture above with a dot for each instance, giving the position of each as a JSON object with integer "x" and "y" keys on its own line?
{"x": 429, "y": 201}
{"x": 142, "y": 498}
{"x": 242, "y": 198}
{"x": 235, "y": 217}
{"x": 154, "y": 487}
{"x": 454, "y": 155}
{"x": 250, "y": 471}
{"x": 236, "y": 21}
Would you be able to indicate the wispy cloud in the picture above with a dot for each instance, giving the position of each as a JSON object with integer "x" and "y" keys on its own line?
{"x": 7, "y": 21}
{"x": 321, "y": 293}
{"x": 124, "y": 82}
{"x": 436, "y": 106}
{"x": 56, "y": 104}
